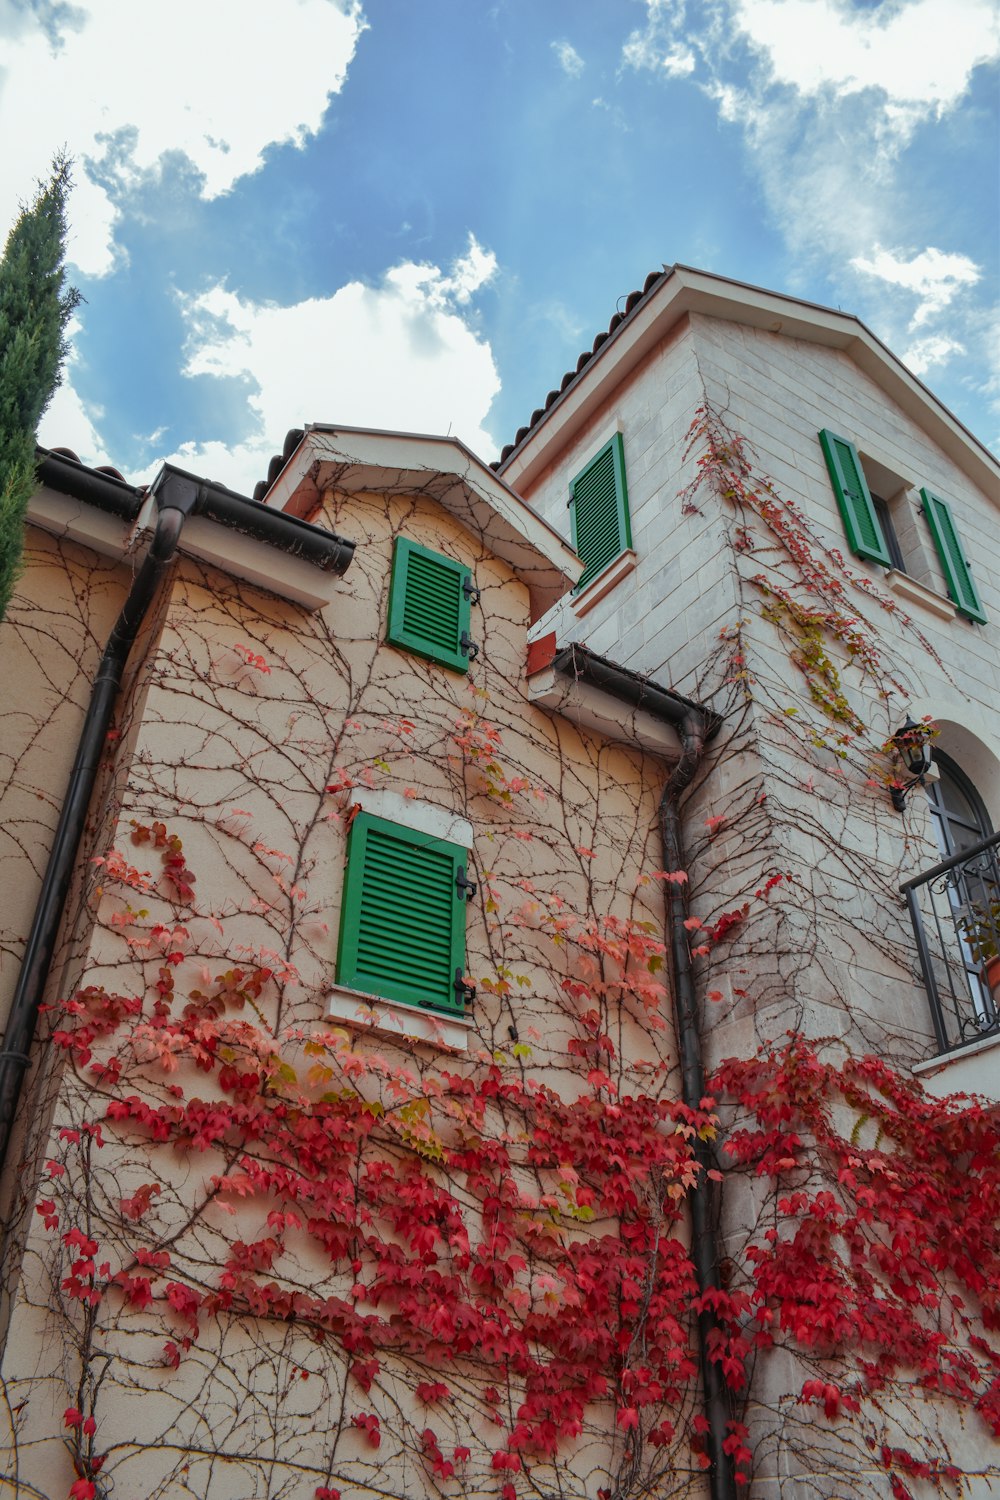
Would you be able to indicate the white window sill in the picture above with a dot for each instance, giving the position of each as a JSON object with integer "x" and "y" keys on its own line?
{"x": 604, "y": 582}
{"x": 918, "y": 593}
{"x": 946, "y": 1059}
{"x": 411, "y": 812}
{"x": 391, "y": 1018}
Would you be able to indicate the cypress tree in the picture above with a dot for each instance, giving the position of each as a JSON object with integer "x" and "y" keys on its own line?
{"x": 35, "y": 307}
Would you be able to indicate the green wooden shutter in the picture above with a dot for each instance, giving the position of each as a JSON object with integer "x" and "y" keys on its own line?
{"x": 429, "y": 604}
{"x": 952, "y": 554}
{"x": 598, "y": 499}
{"x": 402, "y": 923}
{"x": 864, "y": 533}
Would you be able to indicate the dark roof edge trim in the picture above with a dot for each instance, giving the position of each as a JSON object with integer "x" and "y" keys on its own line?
{"x": 70, "y": 477}
{"x": 275, "y": 528}
{"x": 634, "y": 303}
{"x": 583, "y": 665}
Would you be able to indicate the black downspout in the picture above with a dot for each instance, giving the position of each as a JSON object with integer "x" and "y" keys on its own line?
{"x": 176, "y": 498}
{"x": 695, "y": 725}
{"x": 692, "y": 728}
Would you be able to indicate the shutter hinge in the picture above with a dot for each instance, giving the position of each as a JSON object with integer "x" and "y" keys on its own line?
{"x": 470, "y": 591}
{"x": 468, "y": 645}
{"x": 466, "y": 888}
{"x": 465, "y": 990}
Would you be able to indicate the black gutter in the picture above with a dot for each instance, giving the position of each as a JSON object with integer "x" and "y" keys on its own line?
{"x": 584, "y": 665}
{"x": 57, "y": 471}
{"x": 177, "y": 496}
{"x": 330, "y": 553}
{"x": 693, "y": 731}
{"x": 323, "y": 549}
{"x": 695, "y": 726}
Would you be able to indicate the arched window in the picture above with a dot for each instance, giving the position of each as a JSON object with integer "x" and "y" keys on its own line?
{"x": 961, "y": 822}
{"x": 960, "y": 819}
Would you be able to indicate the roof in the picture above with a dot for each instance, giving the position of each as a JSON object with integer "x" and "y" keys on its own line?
{"x": 669, "y": 295}
{"x": 355, "y": 460}
{"x": 98, "y": 508}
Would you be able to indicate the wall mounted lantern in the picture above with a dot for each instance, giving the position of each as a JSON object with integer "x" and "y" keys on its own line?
{"x": 910, "y": 743}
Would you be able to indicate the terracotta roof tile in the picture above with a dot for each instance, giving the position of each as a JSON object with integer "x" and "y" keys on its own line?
{"x": 632, "y": 301}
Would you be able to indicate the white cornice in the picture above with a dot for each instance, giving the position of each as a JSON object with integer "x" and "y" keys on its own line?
{"x": 598, "y": 711}
{"x": 228, "y": 550}
{"x": 65, "y": 516}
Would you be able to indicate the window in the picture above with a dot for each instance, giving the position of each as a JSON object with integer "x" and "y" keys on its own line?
{"x": 957, "y": 811}
{"x": 598, "y": 502}
{"x": 961, "y": 822}
{"x": 402, "y": 923}
{"x": 889, "y": 536}
{"x": 430, "y": 599}
{"x": 884, "y": 530}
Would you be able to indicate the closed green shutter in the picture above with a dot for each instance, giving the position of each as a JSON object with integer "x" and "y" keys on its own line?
{"x": 402, "y": 923}
{"x": 952, "y": 554}
{"x": 864, "y": 534}
{"x": 429, "y": 605}
{"x": 598, "y": 499}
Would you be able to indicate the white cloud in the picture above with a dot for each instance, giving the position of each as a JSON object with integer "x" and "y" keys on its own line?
{"x": 121, "y": 85}
{"x": 678, "y": 62}
{"x": 925, "y": 353}
{"x": 736, "y": 106}
{"x": 397, "y": 355}
{"x": 614, "y": 112}
{"x": 568, "y": 58}
{"x": 827, "y": 96}
{"x": 67, "y": 421}
{"x": 921, "y": 54}
{"x": 659, "y": 46}
{"x": 934, "y": 276}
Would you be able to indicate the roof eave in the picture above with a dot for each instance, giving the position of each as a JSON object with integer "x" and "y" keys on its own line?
{"x": 360, "y": 460}
{"x": 239, "y": 536}
{"x": 683, "y": 290}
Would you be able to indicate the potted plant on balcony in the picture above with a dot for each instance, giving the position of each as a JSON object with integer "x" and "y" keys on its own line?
{"x": 980, "y": 928}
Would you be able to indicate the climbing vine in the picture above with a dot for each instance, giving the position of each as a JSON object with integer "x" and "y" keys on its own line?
{"x": 282, "y": 1255}
{"x": 480, "y": 1267}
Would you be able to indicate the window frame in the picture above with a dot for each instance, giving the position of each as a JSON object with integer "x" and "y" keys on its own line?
{"x": 883, "y": 511}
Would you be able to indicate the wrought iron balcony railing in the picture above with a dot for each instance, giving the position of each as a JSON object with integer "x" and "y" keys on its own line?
{"x": 955, "y": 911}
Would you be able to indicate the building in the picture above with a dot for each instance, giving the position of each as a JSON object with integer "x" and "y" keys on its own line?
{"x": 413, "y": 878}
{"x": 829, "y": 574}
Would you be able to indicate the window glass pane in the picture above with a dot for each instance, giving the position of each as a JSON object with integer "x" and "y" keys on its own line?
{"x": 955, "y": 800}
{"x": 889, "y": 532}
{"x": 956, "y": 813}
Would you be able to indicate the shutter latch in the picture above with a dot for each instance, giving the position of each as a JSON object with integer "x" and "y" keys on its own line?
{"x": 465, "y": 990}
{"x": 466, "y": 888}
{"x": 470, "y": 591}
{"x": 468, "y": 645}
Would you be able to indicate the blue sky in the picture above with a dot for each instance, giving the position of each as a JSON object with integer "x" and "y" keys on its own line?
{"x": 416, "y": 213}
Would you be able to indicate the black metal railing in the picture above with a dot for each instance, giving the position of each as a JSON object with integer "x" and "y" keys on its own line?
{"x": 955, "y": 911}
